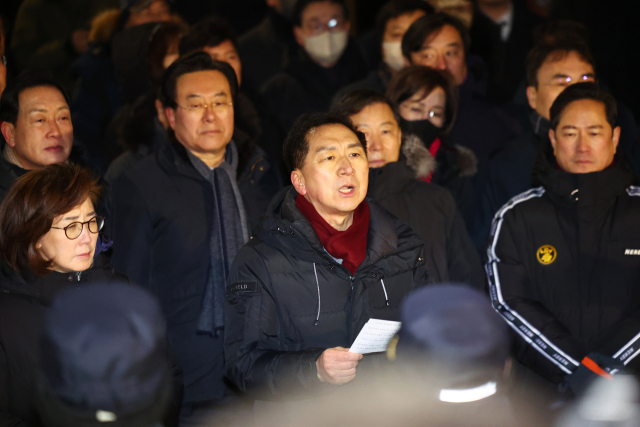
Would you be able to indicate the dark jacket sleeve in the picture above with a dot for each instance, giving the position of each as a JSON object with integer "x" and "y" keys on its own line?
{"x": 256, "y": 359}
{"x": 464, "y": 262}
{"x": 543, "y": 343}
{"x": 132, "y": 231}
{"x": 6, "y": 418}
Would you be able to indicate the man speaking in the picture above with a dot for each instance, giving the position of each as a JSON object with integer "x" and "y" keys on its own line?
{"x": 321, "y": 264}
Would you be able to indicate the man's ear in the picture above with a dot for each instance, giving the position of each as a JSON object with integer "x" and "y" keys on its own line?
{"x": 297, "y": 179}
{"x": 532, "y": 96}
{"x": 297, "y": 33}
{"x": 552, "y": 137}
{"x": 347, "y": 26}
{"x": 171, "y": 117}
{"x": 616, "y": 138}
{"x": 9, "y": 133}
{"x": 406, "y": 61}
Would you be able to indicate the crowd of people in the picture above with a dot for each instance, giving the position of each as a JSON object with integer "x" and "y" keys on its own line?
{"x": 198, "y": 219}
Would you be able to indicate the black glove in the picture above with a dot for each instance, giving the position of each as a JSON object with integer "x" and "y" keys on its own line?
{"x": 593, "y": 366}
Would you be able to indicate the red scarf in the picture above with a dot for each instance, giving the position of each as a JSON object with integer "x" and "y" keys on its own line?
{"x": 349, "y": 245}
{"x": 433, "y": 149}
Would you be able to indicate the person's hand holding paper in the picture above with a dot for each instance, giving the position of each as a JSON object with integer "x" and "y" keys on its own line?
{"x": 337, "y": 365}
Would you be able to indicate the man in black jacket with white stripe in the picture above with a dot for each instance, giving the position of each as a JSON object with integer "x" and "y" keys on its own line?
{"x": 559, "y": 263}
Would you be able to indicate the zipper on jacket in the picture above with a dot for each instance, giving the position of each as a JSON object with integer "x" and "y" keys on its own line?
{"x": 350, "y": 301}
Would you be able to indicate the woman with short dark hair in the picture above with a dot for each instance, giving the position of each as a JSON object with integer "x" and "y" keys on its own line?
{"x": 49, "y": 242}
{"x": 427, "y": 103}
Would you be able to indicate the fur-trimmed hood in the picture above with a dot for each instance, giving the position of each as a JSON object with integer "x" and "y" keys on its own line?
{"x": 423, "y": 163}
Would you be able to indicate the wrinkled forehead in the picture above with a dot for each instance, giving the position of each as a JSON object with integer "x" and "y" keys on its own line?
{"x": 206, "y": 84}
{"x": 330, "y": 135}
{"x": 566, "y": 62}
{"x": 41, "y": 98}
{"x": 584, "y": 113}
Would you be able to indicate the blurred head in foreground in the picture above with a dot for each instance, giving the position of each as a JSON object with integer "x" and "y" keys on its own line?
{"x": 104, "y": 359}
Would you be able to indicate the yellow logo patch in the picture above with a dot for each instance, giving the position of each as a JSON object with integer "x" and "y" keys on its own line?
{"x": 547, "y": 254}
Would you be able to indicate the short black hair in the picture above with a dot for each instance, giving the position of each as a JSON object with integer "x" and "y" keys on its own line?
{"x": 580, "y": 91}
{"x": 208, "y": 32}
{"x": 357, "y": 100}
{"x": 192, "y": 63}
{"x": 556, "y": 50}
{"x": 301, "y": 5}
{"x": 416, "y": 78}
{"x": 423, "y": 28}
{"x": 296, "y": 144}
{"x": 394, "y": 8}
{"x": 10, "y": 101}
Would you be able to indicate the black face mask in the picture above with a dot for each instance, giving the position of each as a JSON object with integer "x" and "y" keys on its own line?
{"x": 423, "y": 129}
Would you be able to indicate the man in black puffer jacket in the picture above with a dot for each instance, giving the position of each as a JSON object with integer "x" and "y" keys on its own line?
{"x": 321, "y": 264}
{"x": 563, "y": 261}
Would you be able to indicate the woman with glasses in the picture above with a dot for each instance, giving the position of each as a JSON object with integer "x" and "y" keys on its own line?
{"x": 427, "y": 104}
{"x": 49, "y": 232}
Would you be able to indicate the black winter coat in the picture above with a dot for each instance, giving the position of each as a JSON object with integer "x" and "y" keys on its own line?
{"x": 508, "y": 174}
{"x": 481, "y": 126}
{"x": 454, "y": 168}
{"x": 288, "y": 300}
{"x": 163, "y": 210}
{"x": 23, "y": 303}
{"x": 564, "y": 267}
{"x": 431, "y": 212}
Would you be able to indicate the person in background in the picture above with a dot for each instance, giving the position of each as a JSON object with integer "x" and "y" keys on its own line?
{"x": 43, "y": 22}
{"x": 427, "y": 106}
{"x": 49, "y": 242}
{"x": 36, "y": 126}
{"x": 428, "y": 209}
{"x": 551, "y": 67}
{"x": 442, "y": 42}
{"x": 562, "y": 260}
{"x": 392, "y": 21}
{"x": 214, "y": 36}
{"x": 100, "y": 92}
{"x": 77, "y": 383}
{"x": 182, "y": 214}
{"x": 460, "y": 9}
{"x": 502, "y": 35}
{"x": 327, "y": 59}
{"x": 140, "y": 129}
{"x": 266, "y": 48}
{"x": 321, "y": 264}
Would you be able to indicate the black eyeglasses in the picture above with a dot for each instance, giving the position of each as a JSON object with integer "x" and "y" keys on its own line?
{"x": 74, "y": 230}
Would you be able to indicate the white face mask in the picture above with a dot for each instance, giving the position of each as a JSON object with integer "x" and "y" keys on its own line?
{"x": 392, "y": 54}
{"x": 327, "y": 47}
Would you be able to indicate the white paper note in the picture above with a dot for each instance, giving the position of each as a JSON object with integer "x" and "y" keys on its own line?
{"x": 374, "y": 336}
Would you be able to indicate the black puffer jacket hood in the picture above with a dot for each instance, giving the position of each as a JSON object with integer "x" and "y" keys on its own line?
{"x": 565, "y": 188}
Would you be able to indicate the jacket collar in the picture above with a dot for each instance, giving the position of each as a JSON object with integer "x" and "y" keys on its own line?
{"x": 422, "y": 162}
{"x": 45, "y": 288}
{"x": 285, "y": 227}
{"x": 173, "y": 157}
{"x": 540, "y": 125}
{"x": 587, "y": 189}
